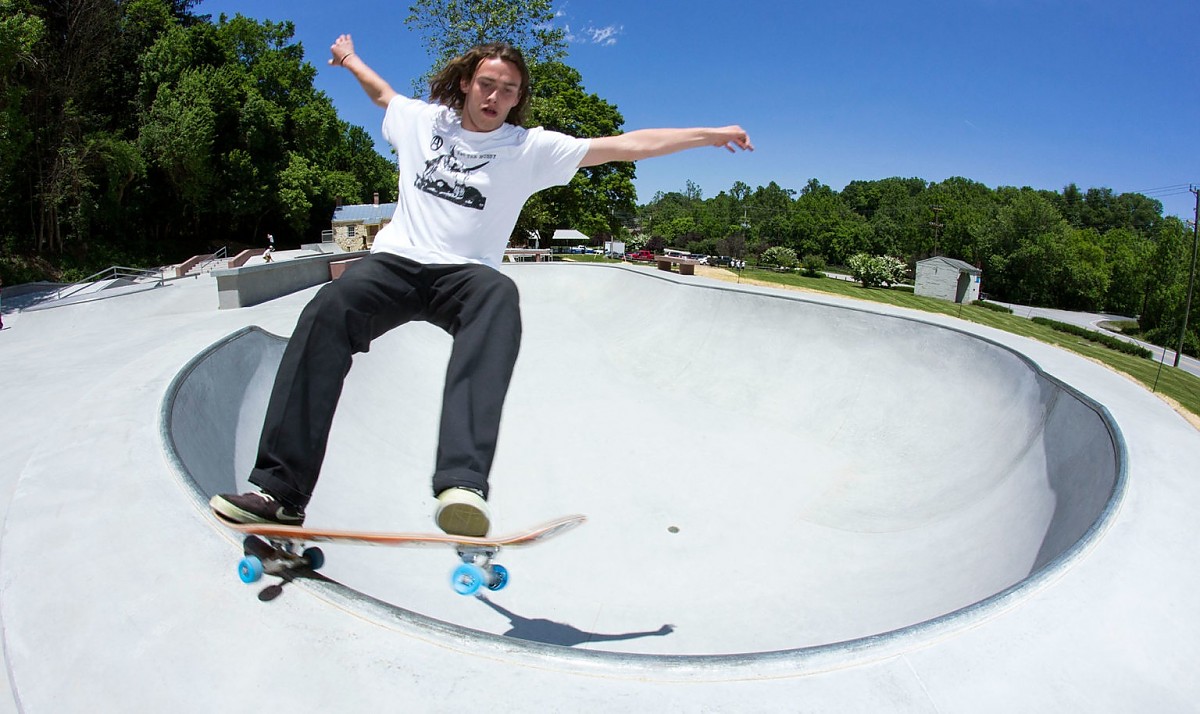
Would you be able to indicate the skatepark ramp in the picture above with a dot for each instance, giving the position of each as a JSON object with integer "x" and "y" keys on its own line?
{"x": 802, "y": 472}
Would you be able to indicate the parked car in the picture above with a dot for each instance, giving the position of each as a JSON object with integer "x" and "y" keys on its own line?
{"x": 640, "y": 255}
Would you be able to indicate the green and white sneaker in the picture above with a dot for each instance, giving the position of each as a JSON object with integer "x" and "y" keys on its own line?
{"x": 462, "y": 511}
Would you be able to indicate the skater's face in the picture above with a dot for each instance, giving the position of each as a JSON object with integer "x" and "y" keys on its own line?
{"x": 490, "y": 94}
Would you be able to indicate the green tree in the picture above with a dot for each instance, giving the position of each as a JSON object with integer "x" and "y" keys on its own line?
{"x": 1018, "y": 245}
{"x": 965, "y": 207}
{"x": 1128, "y": 255}
{"x": 597, "y": 196}
{"x": 242, "y": 140}
{"x": 451, "y": 27}
{"x": 1083, "y": 272}
{"x": 897, "y": 211}
{"x": 1167, "y": 285}
{"x": 825, "y": 225}
{"x": 769, "y": 210}
{"x": 20, "y": 32}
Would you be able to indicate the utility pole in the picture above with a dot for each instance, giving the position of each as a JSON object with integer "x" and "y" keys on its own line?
{"x": 1187, "y": 309}
{"x": 937, "y": 228}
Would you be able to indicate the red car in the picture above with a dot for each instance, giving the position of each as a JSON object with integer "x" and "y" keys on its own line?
{"x": 640, "y": 255}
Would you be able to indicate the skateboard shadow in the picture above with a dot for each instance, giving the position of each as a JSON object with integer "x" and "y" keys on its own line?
{"x": 559, "y": 633}
{"x": 270, "y": 592}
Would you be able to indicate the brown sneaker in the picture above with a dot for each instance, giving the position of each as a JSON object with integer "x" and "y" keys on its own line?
{"x": 255, "y": 507}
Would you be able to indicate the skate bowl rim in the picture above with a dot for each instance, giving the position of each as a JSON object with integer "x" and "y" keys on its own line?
{"x": 733, "y": 667}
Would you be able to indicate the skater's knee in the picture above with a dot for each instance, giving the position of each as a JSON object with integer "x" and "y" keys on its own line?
{"x": 504, "y": 302}
{"x": 332, "y": 314}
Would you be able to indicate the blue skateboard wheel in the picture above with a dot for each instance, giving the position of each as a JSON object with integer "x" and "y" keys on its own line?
{"x": 499, "y": 577}
{"x": 467, "y": 579}
{"x": 250, "y": 569}
{"x": 315, "y": 557}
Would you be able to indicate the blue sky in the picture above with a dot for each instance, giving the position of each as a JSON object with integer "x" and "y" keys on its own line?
{"x": 1037, "y": 93}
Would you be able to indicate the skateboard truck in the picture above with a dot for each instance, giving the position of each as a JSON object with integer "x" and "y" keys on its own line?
{"x": 478, "y": 570}
{"x": 275, "y": 556}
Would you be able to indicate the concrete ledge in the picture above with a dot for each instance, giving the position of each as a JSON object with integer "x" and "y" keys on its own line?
{"x": 687, "y": 266}
{"x": 241, "y": 258}
{"x": 254, "y": 284}
{"x": 337, "y": 267}
{"x": 182, "y": 269}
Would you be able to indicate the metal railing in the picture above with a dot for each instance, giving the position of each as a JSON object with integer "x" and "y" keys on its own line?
{"x": 115, "y": 272}
{"x": 206, "y": 265}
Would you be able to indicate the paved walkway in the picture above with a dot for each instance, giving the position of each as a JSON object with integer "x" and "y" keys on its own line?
{"x": 675, "y": 413}
{"x": 1094, "y": 320}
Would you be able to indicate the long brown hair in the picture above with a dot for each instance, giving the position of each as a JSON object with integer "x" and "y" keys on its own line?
{"x": 446, "y": 86}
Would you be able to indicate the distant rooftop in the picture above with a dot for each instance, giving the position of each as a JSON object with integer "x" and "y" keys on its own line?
{"x": 953, "y": 263}
{"x": 368, "y": 213}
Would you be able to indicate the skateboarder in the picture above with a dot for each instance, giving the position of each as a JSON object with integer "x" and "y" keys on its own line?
{"x": 466, "y": 168}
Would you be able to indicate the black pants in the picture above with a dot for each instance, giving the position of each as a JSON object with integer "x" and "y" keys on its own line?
{"x": 476, "y": 304}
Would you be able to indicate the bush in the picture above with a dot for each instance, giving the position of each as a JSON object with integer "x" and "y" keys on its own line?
{"x": 1169, "y": 336}
{"x": 992, "y": 306}
{"x": 779, "y": 256}
{"x": 813, "y": 266}
{"x": 874, "y": 270}
{"x": 18, "y": 269}
{"x": 1097, "y": 337}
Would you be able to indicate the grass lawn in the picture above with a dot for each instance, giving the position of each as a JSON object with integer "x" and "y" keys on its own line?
{"x": 1179, "y": 386}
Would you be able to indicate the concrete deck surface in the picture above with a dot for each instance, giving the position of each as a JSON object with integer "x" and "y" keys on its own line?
{"x": 795, "y": 502}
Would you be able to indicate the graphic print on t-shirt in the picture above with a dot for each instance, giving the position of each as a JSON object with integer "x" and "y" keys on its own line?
{"x": 445, "y": 176}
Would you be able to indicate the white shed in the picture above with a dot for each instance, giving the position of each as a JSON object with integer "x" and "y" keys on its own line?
{"x": 948, "y": 279}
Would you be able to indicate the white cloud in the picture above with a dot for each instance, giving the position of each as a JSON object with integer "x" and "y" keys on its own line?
{"x": 606, "y": 36}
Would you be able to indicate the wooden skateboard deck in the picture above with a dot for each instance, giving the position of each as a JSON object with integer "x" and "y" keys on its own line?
{"x": 274, "y": 549}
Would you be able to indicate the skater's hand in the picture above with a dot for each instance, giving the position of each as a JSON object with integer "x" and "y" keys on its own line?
{"x": 341, "y": 48}
{"x": 732, "y": 138}
{"x": 376, "y": 87}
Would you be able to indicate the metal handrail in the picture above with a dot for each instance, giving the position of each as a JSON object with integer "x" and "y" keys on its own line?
{"x": 206, "y": 265}
{"x": 111, "y": 273}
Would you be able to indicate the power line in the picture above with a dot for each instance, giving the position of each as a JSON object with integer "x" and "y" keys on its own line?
{"x": 1172, "y": 187}
{"x": 1165, "y": 191}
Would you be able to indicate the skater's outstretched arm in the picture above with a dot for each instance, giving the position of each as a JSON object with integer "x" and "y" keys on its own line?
{"x": 647, "y": 143}
{"x": 375, "y": 86}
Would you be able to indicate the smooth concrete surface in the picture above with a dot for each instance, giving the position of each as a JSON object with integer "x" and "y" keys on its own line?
{"x": 774, "y": 481}
{"x": 893, "y": 473}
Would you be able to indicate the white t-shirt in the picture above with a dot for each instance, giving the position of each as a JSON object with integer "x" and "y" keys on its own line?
{"x": 462, "y": 191}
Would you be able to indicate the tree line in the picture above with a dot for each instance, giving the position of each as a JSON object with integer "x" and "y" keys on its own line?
{"x": 1092, "y": 250}
{"x": 137, "y": 132}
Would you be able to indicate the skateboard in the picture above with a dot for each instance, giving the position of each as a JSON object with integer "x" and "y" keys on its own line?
{"x": 280, "y": 550}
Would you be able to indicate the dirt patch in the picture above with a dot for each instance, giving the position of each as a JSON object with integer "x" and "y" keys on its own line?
{"x": 729, "y": 276}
